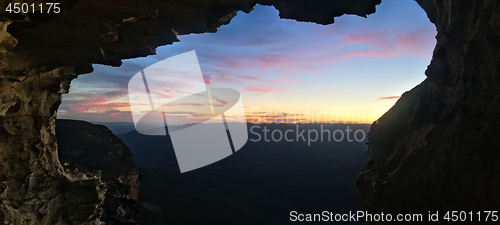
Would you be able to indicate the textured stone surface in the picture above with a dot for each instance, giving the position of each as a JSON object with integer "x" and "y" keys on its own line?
{"x": 90, "y": 148}
{"x": 34, "y": 186}
{"x": 41, "y": 53}
{"x": 438, "y": 148}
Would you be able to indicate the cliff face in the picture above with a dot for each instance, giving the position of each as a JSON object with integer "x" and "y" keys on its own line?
{"x": 434, "y": 148}
{"x": 437, "y": 148}
{"x": 40, "y": 53}
{"x": 88, "y": 148}
{"x": 35, "y": 189}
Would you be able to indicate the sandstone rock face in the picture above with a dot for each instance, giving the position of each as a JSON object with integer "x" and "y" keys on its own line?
{"x": 35, "y": 188}
{"x": 438, "y": 148}
{"x": 41, "y": 53}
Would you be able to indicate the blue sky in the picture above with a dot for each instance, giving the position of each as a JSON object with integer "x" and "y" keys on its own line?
{"x": 356, "y": 66}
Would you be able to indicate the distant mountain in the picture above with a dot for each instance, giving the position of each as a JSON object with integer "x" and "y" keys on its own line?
{"x": 118, "y": 127}
{"x": 259, "y": 184}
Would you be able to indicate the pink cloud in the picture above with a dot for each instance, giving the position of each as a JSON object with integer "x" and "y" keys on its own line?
{"x": 89, "y": 101}
{"x": 364, "y": 38}
{"x": 207, "y": 78}
{"x": 254, "y": 66}
{"x": 89, "y": 106}
{"x": 263, "y": 89}
{"x": 220, "y": 103}
{"x": 392, "y": 43}
{"x": 219, "y": 100}
{"x": 327, "y": 32}
{"x": 389, "y": 98}
{"x": 379, "y": 44}
{"x": 185, "y": 104}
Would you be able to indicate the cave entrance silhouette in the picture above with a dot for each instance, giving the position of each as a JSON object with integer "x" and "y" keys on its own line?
{"x": 352, "y": 71}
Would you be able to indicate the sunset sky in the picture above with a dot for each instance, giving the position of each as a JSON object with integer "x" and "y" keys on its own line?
{"x": 353, "y": 70}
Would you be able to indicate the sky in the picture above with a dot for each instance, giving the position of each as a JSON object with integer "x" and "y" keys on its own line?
{"x": 351, "y": 71}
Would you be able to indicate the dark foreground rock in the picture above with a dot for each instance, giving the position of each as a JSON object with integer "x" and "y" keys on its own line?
{"x": 91, "y": 148}
{"x": 438, "y": 148}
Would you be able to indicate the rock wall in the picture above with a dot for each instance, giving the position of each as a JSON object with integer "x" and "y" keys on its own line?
{"x": 437, "y": 148}
{"x": 91, "y": 148}
{"x": 34, "y": 187}
{"x": 40, "y": 53}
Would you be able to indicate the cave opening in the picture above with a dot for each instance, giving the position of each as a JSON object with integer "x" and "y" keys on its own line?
{"x": 349, "y": 72}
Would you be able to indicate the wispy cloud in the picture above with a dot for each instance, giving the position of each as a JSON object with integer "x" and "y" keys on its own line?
{"x": 392, "y": 43}
{"x": 389, "y": 98}
{"x": 263, "y": 88}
